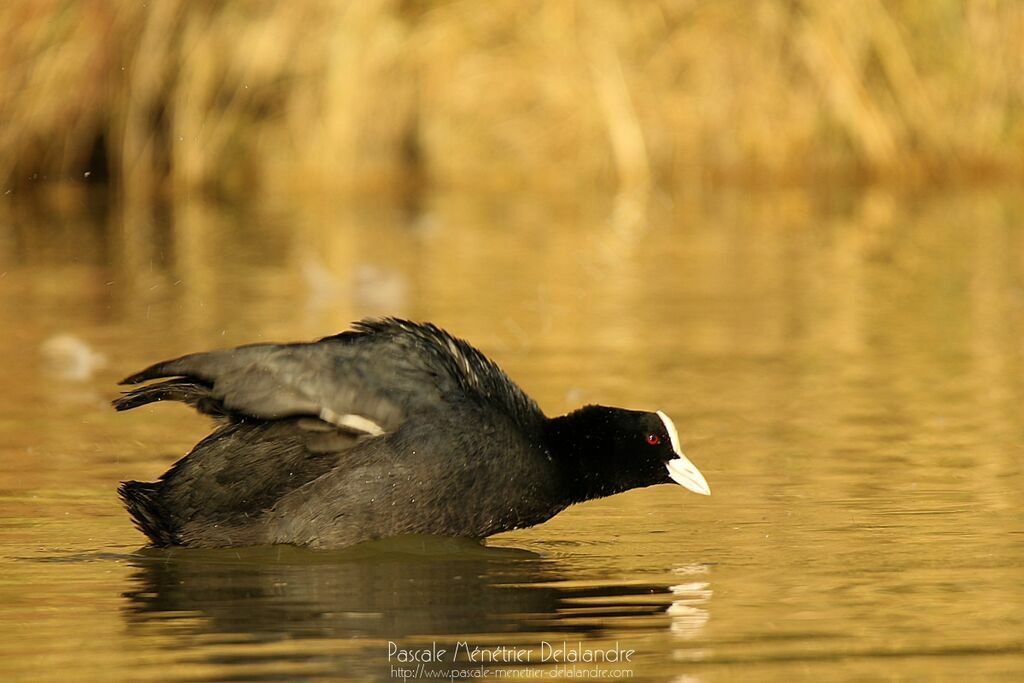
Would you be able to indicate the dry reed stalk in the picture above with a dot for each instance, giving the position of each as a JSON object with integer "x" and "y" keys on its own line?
{"x": 236, "y": 97}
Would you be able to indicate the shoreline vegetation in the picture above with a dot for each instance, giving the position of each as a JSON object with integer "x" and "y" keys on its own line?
{"x": 609, "y": 96}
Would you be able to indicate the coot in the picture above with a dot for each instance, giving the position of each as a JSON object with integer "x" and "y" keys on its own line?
{"x": 391, "y": 428}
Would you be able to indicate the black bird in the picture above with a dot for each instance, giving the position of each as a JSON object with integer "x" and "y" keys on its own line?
{"x": 390, "y": 428}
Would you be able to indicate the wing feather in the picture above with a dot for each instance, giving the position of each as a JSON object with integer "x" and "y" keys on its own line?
{"x": 368, "y": 380}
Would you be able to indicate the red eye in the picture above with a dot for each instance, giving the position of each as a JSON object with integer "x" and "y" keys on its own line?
{"x": 653, "y": 439}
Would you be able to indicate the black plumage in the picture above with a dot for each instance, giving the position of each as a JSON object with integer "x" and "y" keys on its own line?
{"x": 391, "y": 428}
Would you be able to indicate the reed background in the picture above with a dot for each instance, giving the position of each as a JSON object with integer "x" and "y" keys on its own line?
{"x": 233, "y": 98}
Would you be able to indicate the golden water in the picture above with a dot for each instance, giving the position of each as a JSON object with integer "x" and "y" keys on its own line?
{"x": 846, "y": 370}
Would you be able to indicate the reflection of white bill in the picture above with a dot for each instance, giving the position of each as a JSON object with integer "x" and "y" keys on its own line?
{"x": 687, "y": 621}
{"x": 687, "y": 618}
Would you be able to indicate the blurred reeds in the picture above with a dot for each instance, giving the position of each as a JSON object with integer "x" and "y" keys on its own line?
{"x": 238, "y": 97}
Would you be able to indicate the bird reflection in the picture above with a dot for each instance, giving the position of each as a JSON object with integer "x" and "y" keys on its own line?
{"x": 400, "y": 590}
{"x": 689, "y": 617}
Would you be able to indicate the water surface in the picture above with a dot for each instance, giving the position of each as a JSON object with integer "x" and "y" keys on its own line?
{"x": 846, "y": 370}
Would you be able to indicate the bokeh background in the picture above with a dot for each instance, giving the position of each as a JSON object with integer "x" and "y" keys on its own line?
{"x": 795, "y": 226}
{"x": 240, "y": 98}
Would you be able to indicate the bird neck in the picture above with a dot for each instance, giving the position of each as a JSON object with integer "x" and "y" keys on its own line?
{"x": 583, "y": 446}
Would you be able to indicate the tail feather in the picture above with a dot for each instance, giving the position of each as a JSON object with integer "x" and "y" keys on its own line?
{"x": 143, "y": 503}
{"x": 183, "y": 389}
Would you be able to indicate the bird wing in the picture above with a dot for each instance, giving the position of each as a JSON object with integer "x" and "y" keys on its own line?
{"x": 368, "y": 380}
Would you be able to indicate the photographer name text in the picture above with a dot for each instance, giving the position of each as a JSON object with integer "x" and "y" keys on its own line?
{"x": 547, "y": 653}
